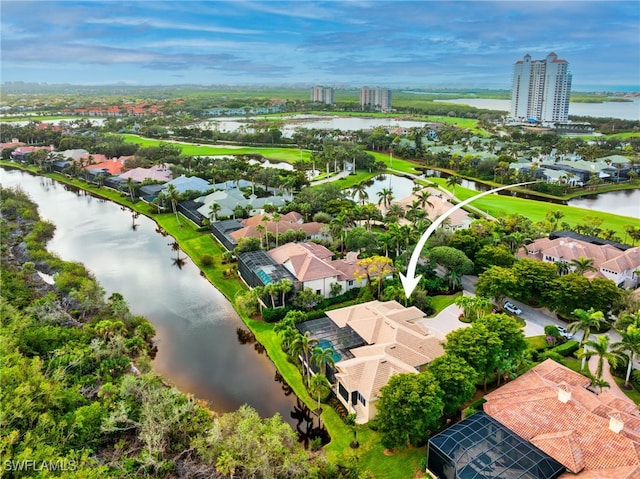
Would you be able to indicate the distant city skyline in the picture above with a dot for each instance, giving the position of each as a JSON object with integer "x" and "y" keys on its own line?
{"x": 425, "y": 44}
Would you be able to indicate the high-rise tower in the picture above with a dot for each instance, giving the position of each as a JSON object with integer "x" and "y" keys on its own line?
{"x": 541, "y": 89}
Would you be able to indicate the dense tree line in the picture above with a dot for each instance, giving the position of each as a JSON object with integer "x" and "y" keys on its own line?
{"x": 77, "y": 391}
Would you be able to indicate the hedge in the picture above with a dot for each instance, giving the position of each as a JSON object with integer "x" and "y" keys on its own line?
{"x": 567, "y": 349}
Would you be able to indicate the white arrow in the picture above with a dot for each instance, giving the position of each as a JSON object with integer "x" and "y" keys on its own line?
{"x": 410, "y": 281}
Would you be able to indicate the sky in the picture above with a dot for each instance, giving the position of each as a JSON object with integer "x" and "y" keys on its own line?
{"x": 416, "y": 44}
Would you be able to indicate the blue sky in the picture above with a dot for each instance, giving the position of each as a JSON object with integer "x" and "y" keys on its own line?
{"x": 422, "y": 44}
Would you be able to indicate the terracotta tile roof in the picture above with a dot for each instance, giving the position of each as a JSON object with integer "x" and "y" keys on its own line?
{"x": 348, "y": 269}
{"x": 113, "y": 166}
{"x": 576, "y": 432}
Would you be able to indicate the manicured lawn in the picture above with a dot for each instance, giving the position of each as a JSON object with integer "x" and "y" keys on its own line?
{"x": 632, "y": 394}
{"x": 355, "y": 179}
{"x": 536, "y": 342}
{"x": 290, "y": 155}
{"x": 500, "y": 205}
{"x": 442, "y": 301}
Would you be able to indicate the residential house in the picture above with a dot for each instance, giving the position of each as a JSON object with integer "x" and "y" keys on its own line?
{"x": 291, "y": 221}
{"x": 621, "y": 267}
{"x": 393, "y": 344}
{"x": 313, "y": 267}
{"x": 156, "y": 173}
{"x": 230, "y": 199}
{"x": 440, "y": 204}
{"x": 21, "y": 153}
{"x": 591, "y": 435}
{"x": 189, "y": 183}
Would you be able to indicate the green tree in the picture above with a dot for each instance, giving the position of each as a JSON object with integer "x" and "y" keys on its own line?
{"x": 456, "y": 379}
{"x": 174, "y": 197}
{"x": 582, "y": 265}
{"x": 409, "y": 409}
{"x": 533, "y": 277}
{"x": 473, "y": 307}
{"x": 601, "y": 348}
{"x": 323, "y": 357}
{"x": 493, "y": 255}
{"x": 497, "y": 283}
{"x": 302, "y": 345}
{"x": 629, "y": 343}
{"x": 585, "y": 322}
{"x": 452, "y": 181}
{"x": 214, "y": 208}
{"x": 319, "y": 387}
{"x": 478, "y": 346}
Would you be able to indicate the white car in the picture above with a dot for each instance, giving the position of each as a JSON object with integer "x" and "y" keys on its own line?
{"x": 564, "y": 333}
{"x": 512, "y": 308}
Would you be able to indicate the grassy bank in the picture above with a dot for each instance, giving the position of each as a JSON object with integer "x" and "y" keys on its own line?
{"x": 370, "y": 455}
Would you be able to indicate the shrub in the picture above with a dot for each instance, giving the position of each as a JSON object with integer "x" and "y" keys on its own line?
{"x": 272, "y": 315}
{"x": 567, "y": 349}
{"x": 551, "y": 354}
{"x": 206, "y": 260}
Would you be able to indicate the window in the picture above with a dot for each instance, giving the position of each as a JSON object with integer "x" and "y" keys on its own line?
{"x": 350, "y": 282}
{"x": 318, "y": 291}
{"x": 362, "y": 400}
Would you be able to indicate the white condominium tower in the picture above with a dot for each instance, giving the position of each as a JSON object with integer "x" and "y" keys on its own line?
{"x": 378, "y": 98}
{"x": 541, "y": 89}
{"x": 322, "y": 94}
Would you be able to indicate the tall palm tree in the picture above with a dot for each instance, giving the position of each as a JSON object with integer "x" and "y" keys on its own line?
{"x": 581, "y": 265}
{"x": 360, "y": 190}
{"x": 213, "y": 211}
{"x": 554, "y": 217}
{"x": 302, "y": 345}
{"x": 601, "y": 347}
{"x": 452, "y": 181}
{"x": 174, "y": 197}
{"x": 319, "y": 386}
{"x": 276, "y": 217}
{"x": 385, "y": 197}
{"x": 585, "y": 321}
{"x": 423, "y": 196}
{"x": 630, "y": 343}
{"x": 131, "y": 187}
{"x": 322, "y": 357}
{"x": 284, "y": 286}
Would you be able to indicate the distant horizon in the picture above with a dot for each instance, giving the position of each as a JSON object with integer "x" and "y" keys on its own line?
{"x": 401, "y": 44}
{"x": 631, "y": 89}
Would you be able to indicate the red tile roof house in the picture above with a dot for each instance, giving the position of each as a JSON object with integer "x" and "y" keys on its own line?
{"x": 394, "y": 345}
{"x": 21, "y": 153}
{"x": 290, "y": 221}
{"x": 439, "y": 205}
{"x": 313, "y": 266}
{"x": 619, "y": 266}
{"x": 114, "y": 166}
{"x": 592, "y": 435}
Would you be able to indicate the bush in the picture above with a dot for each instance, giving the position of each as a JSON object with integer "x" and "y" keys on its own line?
{"x": 206, "y": 260}
{"x": 551, "y": 354}
{"x": 567, "y": 349}
{"x": 273, "y": 315}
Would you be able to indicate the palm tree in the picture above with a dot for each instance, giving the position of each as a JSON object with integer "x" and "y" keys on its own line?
{"x": 423, "y": 196}
{"x": 213, "y": 211}
{"x": 276, "y": 217}
{"x": 385, "y": 197}
{"x": 284, "y": 286}
{"x": 360, "y": 191}
{"x": 452, "y": 181}
{"x": 319, "y": 386}
{"x": 302, "y": 345}
{"x": 581, "y": 265}
{"x": 599, "y": 383}
{"x": 131, "y": 187}
{"x": 586, "y": 320}
{"x": 554, "y": 217}
{"x": 601, "y": 348}
{"x": 174, "y": 196}
{"x": 323, "y": 357}
{"x": 630, "y": 343}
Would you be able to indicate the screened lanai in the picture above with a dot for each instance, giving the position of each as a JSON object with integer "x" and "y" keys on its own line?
{"x": 479, "y": 447}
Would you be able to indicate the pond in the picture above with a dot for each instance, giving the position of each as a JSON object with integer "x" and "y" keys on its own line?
{"x": 401, "y": 187}
{"x": 203, "y": 346}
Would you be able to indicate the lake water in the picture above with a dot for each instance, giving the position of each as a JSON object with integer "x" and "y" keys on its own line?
{"x": 316, "y": 122}
{"x": 625, "y": 202}
{"x": 199, "y": 334}
{"x": 622, "y": 110}
{"x": 401, "y": 187}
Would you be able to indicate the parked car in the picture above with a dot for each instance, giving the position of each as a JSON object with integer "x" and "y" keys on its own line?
{"x": 564, "y": 333}
{"x": 512, "y": 308}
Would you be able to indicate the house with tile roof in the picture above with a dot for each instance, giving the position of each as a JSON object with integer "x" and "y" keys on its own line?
{"x": 111, "y": 167}
{"x": 551, "y": 407}
{"x": 292, "y": 221}
{"x": 313, "y": 267}
{"x": 394, "y": 343}
{"x": 439, "y": 205}
{"x": 231, "y": 198}
{"x": 155, "y": 173}
{"x": 621, "y": 267}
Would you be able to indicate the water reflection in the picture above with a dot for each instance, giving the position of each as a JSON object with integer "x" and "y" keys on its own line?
{"x": 196, "y": 327}
{"x": 400, "y": 186}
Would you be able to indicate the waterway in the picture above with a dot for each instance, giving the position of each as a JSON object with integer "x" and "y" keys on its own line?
{"x": 623, "y": 110}
{"x": 202, "y": 342}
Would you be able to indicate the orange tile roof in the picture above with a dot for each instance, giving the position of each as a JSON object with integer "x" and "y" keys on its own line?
{"x": 576, "y": 433}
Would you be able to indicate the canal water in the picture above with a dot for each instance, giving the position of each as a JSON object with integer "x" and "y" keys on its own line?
{"x": 203, "y": 346}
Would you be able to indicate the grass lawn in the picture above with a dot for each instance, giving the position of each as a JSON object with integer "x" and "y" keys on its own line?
{"x": 289, "y": 155}
{"x": 536, "y": 342}
{"x": 442, "y": 301}
{"x": 500, "y": 205}
{"x": 632, "y": 394}
{"x": 355, "y": 179}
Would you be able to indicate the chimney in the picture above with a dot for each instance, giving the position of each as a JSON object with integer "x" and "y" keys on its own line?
{"x": 615, "y": 423}
{"x": 564, "y": 394}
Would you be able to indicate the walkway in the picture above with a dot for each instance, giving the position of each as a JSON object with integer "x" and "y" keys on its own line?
{"x": 613, "y": 388}
{"x": 342, "y": 174}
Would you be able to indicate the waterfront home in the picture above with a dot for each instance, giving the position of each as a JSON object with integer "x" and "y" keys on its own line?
{"x": 155, "y": 173}
{"x": 259, "y": 225}
{"x": 440, "y": 204}
{"x": 393, "y": 342}
{"x": 232, "y": 198}
{"x": 312, "y": 266}
{"x": 619, "y": 266}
